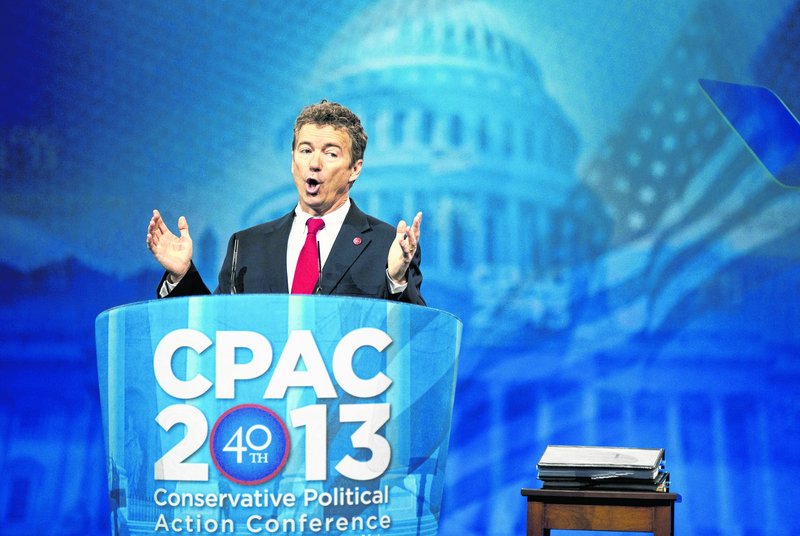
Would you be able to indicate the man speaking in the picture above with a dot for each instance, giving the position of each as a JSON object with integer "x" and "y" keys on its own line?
{"x": 326, "y": 245}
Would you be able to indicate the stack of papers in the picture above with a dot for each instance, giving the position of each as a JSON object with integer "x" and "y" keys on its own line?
{"x": 603, "y": 468}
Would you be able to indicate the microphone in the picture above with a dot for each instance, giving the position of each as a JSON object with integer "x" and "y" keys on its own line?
{"x": 233, "y": 264}
{"x": 318, "y": 288}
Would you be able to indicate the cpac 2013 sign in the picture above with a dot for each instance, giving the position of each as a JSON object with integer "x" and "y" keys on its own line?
{"x": 247, "y": 431}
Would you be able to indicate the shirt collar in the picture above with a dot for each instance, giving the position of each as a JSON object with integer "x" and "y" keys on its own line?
{"x": 333, "y": 219}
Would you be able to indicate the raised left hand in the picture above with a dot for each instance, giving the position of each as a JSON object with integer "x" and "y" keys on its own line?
{"x": 403, "y": 249}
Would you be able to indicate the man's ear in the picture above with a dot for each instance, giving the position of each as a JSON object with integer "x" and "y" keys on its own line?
{"x": 355, "y": 171}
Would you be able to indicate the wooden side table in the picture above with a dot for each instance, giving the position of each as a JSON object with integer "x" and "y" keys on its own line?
{"x": 640, "y": 511}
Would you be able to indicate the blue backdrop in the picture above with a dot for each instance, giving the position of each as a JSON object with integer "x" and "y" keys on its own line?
{"x": 626, "y": 271}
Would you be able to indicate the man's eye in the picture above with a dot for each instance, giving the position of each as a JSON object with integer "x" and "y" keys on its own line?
{"x": 332, "y": 154}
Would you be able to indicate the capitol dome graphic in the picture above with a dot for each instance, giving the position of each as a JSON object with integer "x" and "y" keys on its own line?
{"x": 461, "y": 128}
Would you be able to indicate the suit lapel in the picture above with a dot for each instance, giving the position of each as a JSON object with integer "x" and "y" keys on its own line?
{"x": 352, "y": 241}
{"x": 275, "y": 240}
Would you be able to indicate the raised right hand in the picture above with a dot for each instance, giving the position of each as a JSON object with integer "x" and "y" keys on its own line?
{"x": 174, "y": 253}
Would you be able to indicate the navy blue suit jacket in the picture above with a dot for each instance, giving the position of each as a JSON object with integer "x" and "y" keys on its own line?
{"x": 356, "y": 265}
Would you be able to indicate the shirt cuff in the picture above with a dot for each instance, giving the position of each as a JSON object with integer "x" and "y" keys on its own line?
{"x": 394, "y": 287}
{"x": 166, "y": 288}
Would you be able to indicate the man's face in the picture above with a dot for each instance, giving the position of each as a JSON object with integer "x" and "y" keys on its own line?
{"x": 321, "y": 168}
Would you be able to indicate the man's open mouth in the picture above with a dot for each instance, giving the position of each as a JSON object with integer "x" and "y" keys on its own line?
{"x": 312, "y": 186}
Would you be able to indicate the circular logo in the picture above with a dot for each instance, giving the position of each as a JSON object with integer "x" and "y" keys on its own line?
{"x": 249, "y": 444}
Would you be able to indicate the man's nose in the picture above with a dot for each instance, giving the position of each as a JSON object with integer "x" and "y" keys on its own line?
{"x": 316, "y": 161}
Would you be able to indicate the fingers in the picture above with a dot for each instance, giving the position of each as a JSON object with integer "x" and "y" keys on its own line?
{"x": 408, "y": 237}
{"x": 160, "y": 226}
{"x": 156, "y": 226}
{"x": 416, "y": 223}
{"x": 153, "y": 232}
{"x": 413, "y": 233}
{"x": 151, "y": 228}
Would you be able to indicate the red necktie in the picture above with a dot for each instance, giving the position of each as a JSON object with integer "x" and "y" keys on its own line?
{"x": 306, "y": 274}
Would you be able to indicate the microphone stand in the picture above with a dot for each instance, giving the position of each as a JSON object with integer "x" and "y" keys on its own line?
{"x": 233, "y": 264}
{"x": 318, "y": 288}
